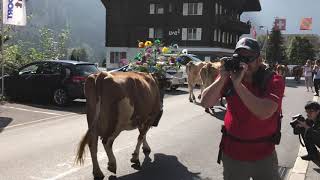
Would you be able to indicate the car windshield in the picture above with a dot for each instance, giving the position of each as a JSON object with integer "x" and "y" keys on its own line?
{"x": 86, "y": 69}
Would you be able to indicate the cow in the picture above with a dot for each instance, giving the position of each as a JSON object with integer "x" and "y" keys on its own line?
{"x": 297, "y": 72}
{"x": 193, "y": 73}
{"x": 137, "y": 95}
{"x": 208, "y": 74}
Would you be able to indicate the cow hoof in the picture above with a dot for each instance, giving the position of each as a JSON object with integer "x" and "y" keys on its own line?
{"x": 112, "y": 168}
{"x": 207, "y": 110}
{"x": 146, "y": 151}
{"x": 199, "y": 97}
{"x": 135, "y": 161}
{"x": 191, "y": 100}
{"x": 98, "y": 175}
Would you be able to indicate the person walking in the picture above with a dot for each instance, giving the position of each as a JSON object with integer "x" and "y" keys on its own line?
{"x": 316, "y": 78}
{"x": 307, "y": 71}
{"x": 252, "y": 121}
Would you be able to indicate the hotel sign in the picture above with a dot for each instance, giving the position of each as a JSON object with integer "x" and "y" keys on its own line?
{"x": 174, "y": 32}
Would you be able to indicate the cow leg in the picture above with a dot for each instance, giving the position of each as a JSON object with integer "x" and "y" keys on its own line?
{"x": 93, "y": 147}
{"x": 141, "y": 137}
{"x": 145, "y": 146}
{"x": 201, "y": 90}
{"x": 192, "y": 98}
{"x": 112, "y": 164}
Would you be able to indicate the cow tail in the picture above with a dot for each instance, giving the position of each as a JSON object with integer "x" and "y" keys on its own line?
{"x": 81, "y": 148}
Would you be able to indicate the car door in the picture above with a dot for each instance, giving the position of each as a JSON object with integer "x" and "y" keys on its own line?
{"x": 46, "y": 79}
{"x": 20, "y": 84}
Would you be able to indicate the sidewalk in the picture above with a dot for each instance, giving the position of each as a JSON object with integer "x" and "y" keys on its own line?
{"x": 305, "y": 170}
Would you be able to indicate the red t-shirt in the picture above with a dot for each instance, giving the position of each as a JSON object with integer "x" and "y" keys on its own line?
{"x": 242, "y": 123}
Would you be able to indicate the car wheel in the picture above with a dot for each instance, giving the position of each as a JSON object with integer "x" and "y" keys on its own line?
{"x": 173, "y": 88}
{"x": 60, "y": 97}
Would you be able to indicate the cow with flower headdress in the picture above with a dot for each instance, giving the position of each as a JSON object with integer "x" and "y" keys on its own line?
{"x": 137, "y": 94}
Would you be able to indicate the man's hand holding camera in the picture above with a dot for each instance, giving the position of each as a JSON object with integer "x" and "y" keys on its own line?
{"x": 303, "y": 124}
{"x": 237, "y": 76}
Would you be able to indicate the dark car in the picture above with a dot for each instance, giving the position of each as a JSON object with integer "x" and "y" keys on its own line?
{"x": 60, "y": 81}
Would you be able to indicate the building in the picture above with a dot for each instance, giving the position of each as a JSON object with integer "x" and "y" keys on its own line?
{"x": 207, "y": 28}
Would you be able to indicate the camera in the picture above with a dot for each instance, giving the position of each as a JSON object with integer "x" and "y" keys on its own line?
{"x": 295, "y": 121}
{"x": 232, "y": 63}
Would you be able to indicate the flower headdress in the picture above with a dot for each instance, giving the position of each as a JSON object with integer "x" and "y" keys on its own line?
{"x": 151, "y": 59}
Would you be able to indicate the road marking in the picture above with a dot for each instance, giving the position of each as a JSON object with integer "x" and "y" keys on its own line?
{"x": 22, "y": 109}
{"x": 300, "y": 167}
{"x": 40, "y": 120}
{"x": 101, "y": 156}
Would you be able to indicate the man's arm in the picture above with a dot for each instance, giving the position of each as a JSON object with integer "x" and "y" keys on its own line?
{"x": 263, "y": 108}
{"x": 212, "y": 94}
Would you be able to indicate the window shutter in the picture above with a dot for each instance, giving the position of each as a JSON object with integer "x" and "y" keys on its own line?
{"x": 200, "y": 8}
{"x": 215, "y": 35}
{"x": 185, "y": 9}
{"x": 227, "y": 38}
{"x": 199, "y": 32}
{"x": 184, "y": 33}
{"x": 219, "y": 35}
{"x": 220, "y": 9}
{"x": 151, "y": 33}
{"x": 152, "y": 8}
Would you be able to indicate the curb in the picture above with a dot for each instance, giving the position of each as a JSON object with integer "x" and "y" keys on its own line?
{"x": 299, "y": 170}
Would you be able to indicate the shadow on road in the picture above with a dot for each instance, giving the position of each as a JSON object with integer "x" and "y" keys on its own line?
{"x": 164, "y": 167}
{"x": 293, "y": 83}
{"x": 318, "y": 164}
{"x": 4, "y": 121}
{"x": 176, "y": 92}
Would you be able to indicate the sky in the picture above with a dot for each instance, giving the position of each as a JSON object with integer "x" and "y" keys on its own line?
{"x": 292, "y": 10}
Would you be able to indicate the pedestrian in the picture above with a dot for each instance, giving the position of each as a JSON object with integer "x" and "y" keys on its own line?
{"x": 253, "y": 115}
{"x": 316, "y": 78}
{"x": 311, "y": 131}
{"x": 307, "y": 71}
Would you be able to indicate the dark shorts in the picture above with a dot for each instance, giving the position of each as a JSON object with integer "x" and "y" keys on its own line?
{"x": 265, "y": 169}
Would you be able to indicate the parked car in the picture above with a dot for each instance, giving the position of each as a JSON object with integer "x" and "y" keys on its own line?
{"x": 60, "y": 81}
{"x": 170, "y": 75}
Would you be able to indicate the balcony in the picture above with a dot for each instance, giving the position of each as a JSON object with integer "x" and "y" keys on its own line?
{"x": 233, "y": 24}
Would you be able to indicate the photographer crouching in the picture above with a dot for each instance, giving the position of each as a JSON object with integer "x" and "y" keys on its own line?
{"x": 309, "y": 129}
{"x": 253, "y": 115}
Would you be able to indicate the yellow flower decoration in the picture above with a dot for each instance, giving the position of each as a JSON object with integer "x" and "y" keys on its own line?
{"x": 148, "y": 43}
{"x": 165, "y": 50}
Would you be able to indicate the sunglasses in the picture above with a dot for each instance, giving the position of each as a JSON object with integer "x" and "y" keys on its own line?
{"x": 246, "y": 59}
{"x": 310, "y": 111}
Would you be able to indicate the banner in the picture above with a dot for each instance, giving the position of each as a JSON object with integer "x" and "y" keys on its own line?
{"x": 14, "y": 12}
{"x": 280, "y": 24}
{"x": 306, "y": 24}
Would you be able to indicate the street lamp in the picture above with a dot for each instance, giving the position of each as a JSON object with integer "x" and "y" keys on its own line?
{"x": 265, "y": 44}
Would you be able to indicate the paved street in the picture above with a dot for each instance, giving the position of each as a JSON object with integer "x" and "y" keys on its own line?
{"x": 39, "y": 141}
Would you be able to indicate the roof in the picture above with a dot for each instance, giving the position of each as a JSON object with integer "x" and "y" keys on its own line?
{"x": 244, "y": 5}
{"x": 70, "y": 62}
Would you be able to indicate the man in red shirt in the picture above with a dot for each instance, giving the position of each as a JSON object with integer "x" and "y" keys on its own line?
{"x": 252, "y": 116}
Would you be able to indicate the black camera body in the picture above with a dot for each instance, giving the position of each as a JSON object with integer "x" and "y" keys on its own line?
{"x": 295, "y": 120}
{"x": 232, "y": 63}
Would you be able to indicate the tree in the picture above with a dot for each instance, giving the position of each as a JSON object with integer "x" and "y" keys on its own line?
{"x": 300, "y": 50}
{"x": 79, "y": 54}
{"x": 275, "y": 48}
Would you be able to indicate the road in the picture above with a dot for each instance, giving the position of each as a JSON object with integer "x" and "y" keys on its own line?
{"x": 39, "y": 142}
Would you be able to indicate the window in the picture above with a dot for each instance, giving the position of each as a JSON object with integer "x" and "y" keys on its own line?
{"x": 192, "y": 9}
{"x": 31, "y": 69}
{"x": 217, "y": 9}
{"x": 228, "y": 38}
{"x": 191, "y": 33}
{"x": 170, "y": 8}
{"x": 155, "y": 33}
{"x": 156, "y": 9}
{"x": 223, "y": 37}
{"x": 214, "y": 35}
{"x": 219, "y": 35}
{"x": 220, "y": 9}
{"x": 116, "y": 56}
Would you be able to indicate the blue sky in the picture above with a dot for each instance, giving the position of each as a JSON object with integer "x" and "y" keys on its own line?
{"x": 292, "y": 10}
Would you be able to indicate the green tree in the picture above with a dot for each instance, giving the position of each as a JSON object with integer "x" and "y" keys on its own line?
{"x": 275, "y": 48}
{"x": 299, "y": 50}
{"x": 79, "y": 54}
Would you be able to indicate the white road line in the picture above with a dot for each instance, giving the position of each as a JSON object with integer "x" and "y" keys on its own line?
{"x": 101, "y": 156}
{"x": 40, "y": 120}
{"x": 22, "y": 109}
{"x": 300, "y": 167}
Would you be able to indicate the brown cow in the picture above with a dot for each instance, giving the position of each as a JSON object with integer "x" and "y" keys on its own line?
{"x": 297, "y": 72}
{"x": 193, "y": 72}
{"x": 139, "y": 97}
{"x": 208, "y": 74}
